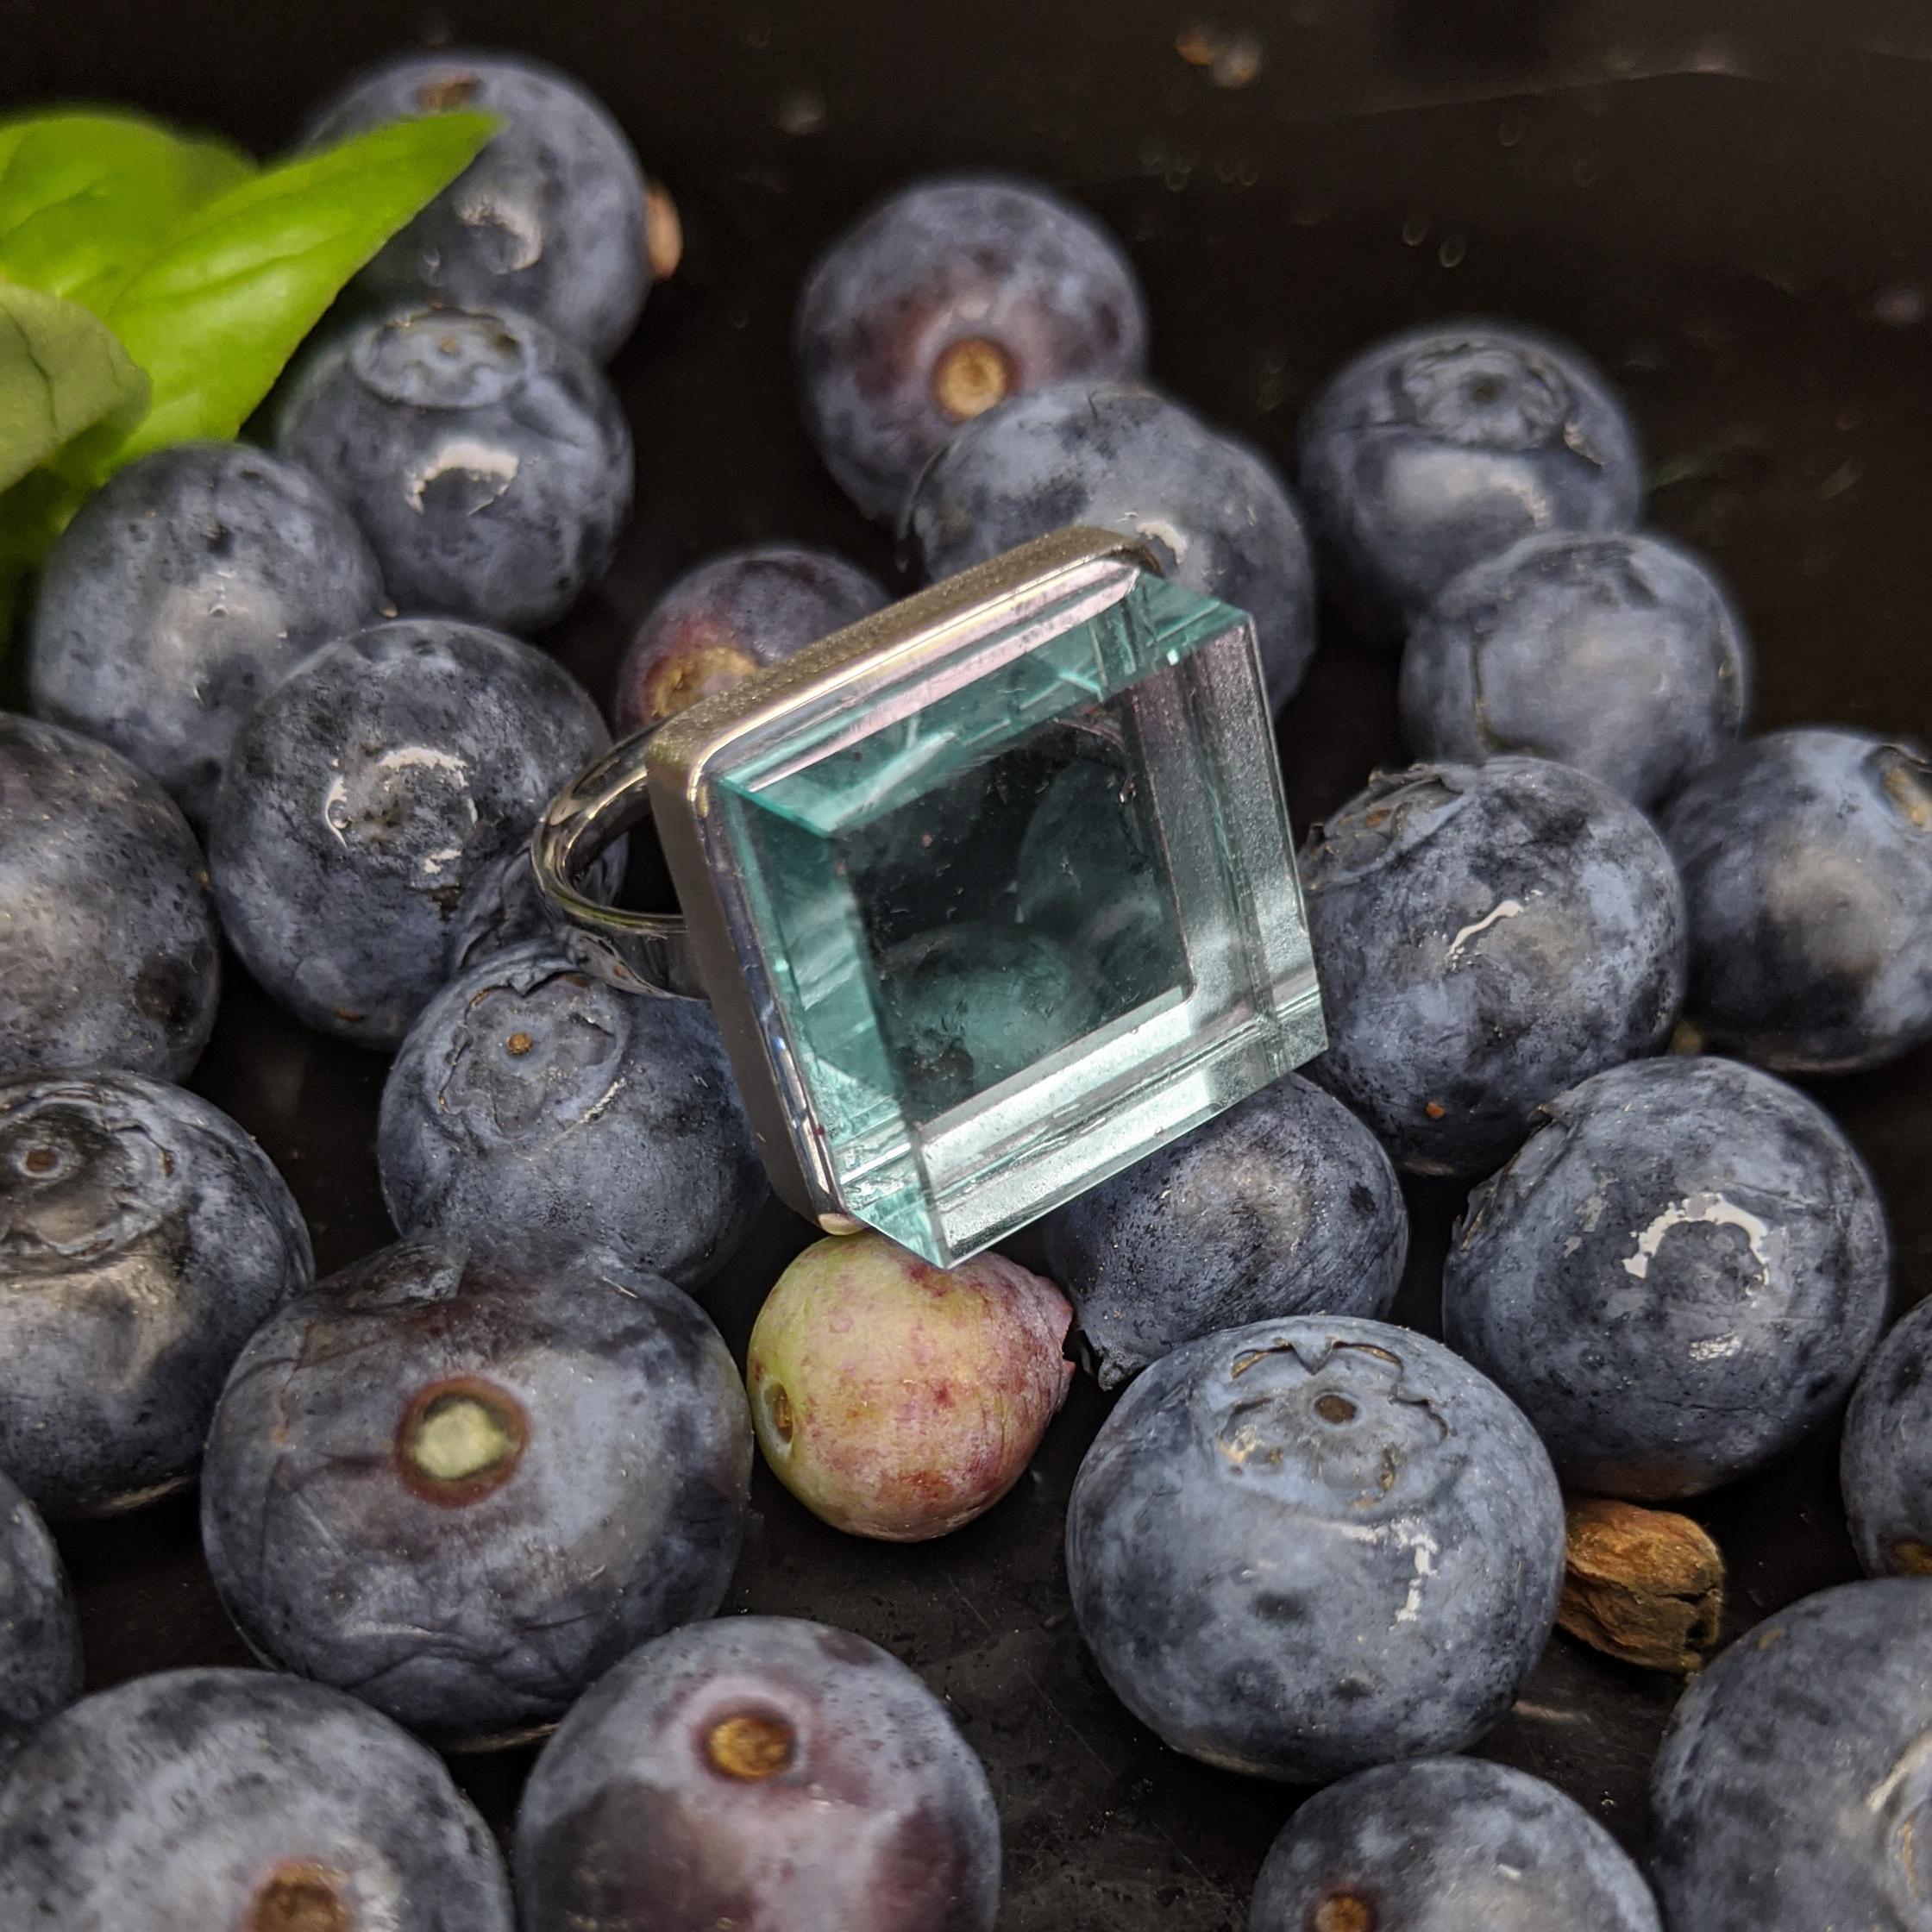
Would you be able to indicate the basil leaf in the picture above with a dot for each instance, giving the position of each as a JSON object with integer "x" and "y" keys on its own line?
{"x": 86, "y": 199}
{"x": 215, "y": 316}
{"x": 62, "y": 372}
{"x": 32, "y": 514}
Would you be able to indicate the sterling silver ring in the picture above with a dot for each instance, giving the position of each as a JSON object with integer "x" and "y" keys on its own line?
{"x": 991, "y": 893}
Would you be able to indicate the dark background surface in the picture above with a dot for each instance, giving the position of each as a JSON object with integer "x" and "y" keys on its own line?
{"x": 1729, "y": 206}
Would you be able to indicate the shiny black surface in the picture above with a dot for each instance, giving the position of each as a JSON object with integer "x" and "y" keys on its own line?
{"x": 1727, "y": 205}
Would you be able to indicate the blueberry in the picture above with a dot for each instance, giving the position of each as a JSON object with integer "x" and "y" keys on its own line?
{"x": 529, "y": 1095}
{"x": 374, "y": 806}
{"x": 732, "y": 613}
{"x": 1621, "y": 654}
{"x": 110, "y": 956}
{"x": 965, "y": 1006}
{"x": 1086, "y": 875}
{"x": 1083, "y": 847}
{"x": 1807, "y": 862}
{"x": 550, "y": 219}
{"x": 1487, "y": 936}
{"x": 1307, "y": 1545}
{"x": 462, "y": 1481}
{"x": 758, "y": 1772}
{"x": 1678, "y": 1277}
{"x": 948, "y": 297}
{"x": 180, "y": 593}
{"x": 1793, "y": 1791}
{"x": 144, "y": 1236}
{"x": 1886, "y": 1461}
{"x": 1448, "y": 444}
{"x": 245, "y": 1801}
{"x": 487, "y": 460}
{"x": 1448, "y": 1845}
{"x": 1285, "y": 1205}
{"x": 1121, "y": 457}
{"x": 898, "y": 1399}
{"x": 39, "y": 1638}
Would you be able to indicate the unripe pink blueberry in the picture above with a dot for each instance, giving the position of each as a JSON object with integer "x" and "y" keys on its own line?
{"x": 898, "y": 1399}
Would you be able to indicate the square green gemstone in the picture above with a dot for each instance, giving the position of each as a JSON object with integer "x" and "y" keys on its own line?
{"x": 1023, "y": 911}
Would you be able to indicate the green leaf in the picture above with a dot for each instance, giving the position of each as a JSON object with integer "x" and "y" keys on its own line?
{"x": 32, "y": 514}
{"x": 62, "y": 372}
{"x": 86, "y": 199}
{"x": 215, "y": 316}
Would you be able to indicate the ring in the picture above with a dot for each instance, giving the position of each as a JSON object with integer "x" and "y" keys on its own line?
{"x": 993, "y": 892}
{"x": 640, "y": 952}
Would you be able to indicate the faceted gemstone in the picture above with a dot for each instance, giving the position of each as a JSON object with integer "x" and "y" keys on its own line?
{"x": 1018, "y": 910}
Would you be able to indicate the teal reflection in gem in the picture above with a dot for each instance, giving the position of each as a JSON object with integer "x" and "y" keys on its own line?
{"x": 1026, "y": 913}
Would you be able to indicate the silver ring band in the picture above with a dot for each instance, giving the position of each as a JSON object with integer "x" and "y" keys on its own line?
{"x": 640, "y": 952}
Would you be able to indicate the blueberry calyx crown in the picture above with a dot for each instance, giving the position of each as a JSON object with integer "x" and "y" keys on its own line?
{"x": 1337, "y": 1429}
{"x": 1490, "y": 394}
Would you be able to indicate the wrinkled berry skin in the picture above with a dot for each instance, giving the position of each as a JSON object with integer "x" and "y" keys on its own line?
{"x": 376, "y": 801}
{"x": 1121, "y": 457}
{"x": 39, "y": 1637}
{"x": 1448, "y": 443}
{"x": 180, "y": 593}
{"x": 761, "y": 1772}
{"x": 144, "y": 1236}
{"x": 1621, "y": 654}
{"x": 110, "y": 955}
{"x": 1885, "y": 1462}
{"x": 1487, "y": 936}
{"x": 898, "y": 1399}
{"x": 487, "y": 460}
{"x": 731, "y": 615}
{"x": 597, "y": 1499}
{"x": 242, "y": 1800}
{"x": 1448, "y": 1845}
{"x": 548, "y": 220}
{"x": 1285, "y": 1205}
{"x": 1791, "y": 1792}
{"x": 1678, "y": 1277}
{"x": 530, "y": 1097}
{"x": 1308, "y": 1546}
{"x": 1807, "y": 863}
{"x": 948, "y": 297}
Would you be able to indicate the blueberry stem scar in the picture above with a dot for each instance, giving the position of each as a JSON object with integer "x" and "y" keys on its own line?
{"x": 970, "y": 376}
{"x": 1342, "y": 1911}
{"x": 461, "y": 1439}
{"x": 301, "y": 1898}
{"x": 778, "y": 1407}
{"x": 751, "y": 1746}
